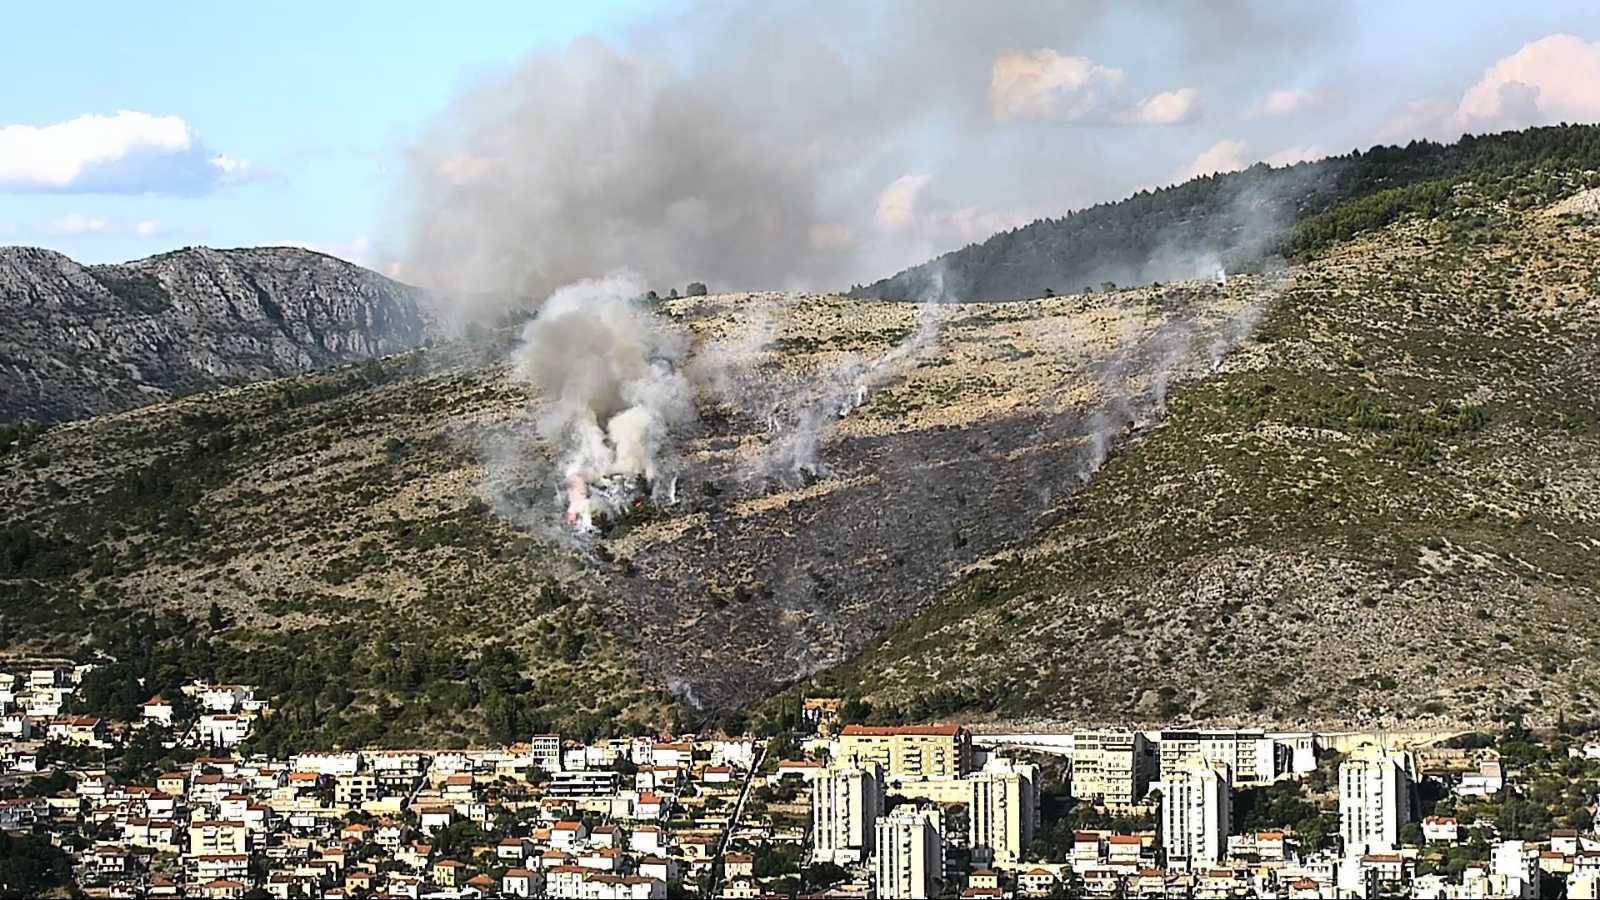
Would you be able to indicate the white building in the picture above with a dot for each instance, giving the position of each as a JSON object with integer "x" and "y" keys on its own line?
{"x": 1515, "y": 869}
{"x": 908, "y": 853}
{"x": 545, "y": 749}
{"x": 1111, "y": 767}
{"x": 1004, "y": 811}
{"x": 1374, "y": 798}
{"x": 1196, "y": 810}
{"x": 845, "y": 804}
{"x": 1254, "y": 757}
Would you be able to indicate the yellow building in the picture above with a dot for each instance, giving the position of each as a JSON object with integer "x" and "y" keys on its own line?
{"x": 912, "y": 751}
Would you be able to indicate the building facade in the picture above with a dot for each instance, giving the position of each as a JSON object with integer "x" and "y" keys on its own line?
{"x": 908, "y": 853}
{"x": 914, "y": 751}
{"x": 1196, "y": 807}
{"x": 1374, "y": 798}
{"x": 845, "y": 805}
{"x": 1004, "y": 811}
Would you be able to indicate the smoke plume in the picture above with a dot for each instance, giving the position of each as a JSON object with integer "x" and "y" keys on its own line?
{"x": 757, "y": 151}
{"x": 608, "y": 375}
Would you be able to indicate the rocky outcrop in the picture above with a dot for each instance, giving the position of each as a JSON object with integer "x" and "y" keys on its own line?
{"x": 83, "y": 340}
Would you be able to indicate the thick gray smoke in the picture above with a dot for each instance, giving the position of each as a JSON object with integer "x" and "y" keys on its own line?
{"x": 612, "y": 393}
{"x": 807, "y": 148}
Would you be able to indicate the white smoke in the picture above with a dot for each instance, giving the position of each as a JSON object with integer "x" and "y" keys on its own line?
{"x": 612, "y": 394}
{"x": 793, "y": 453}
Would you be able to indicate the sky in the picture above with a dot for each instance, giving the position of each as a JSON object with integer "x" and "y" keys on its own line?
{"x": 516, "y": 146}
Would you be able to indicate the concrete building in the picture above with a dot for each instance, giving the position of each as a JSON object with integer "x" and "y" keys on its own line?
{"x": 1196, "y": 807}
{"x": 1110, "y": 767}
{"x": 1374, "y": 798}
{"x": 1004, "y": 811}
{"x": 913, "y": 751}
{"x": 908, "y": 853}
{"x": 1254, "y": 757}
{"x": 545, "y": 752}
{"x": 845, "y": 804}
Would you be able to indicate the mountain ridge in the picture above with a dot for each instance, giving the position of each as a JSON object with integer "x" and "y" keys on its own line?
{"x": 83, "y": 340}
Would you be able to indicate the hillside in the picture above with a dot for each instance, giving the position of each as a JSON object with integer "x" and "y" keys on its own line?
{"x": 1384, "y": 508}
{"x": 359, "y": 532}
{"x": 1238, "y": 221}
{"x": 1370, "y": 476}
{"x": 83, "y": 340}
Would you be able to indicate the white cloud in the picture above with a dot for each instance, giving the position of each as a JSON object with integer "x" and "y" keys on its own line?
{"x": 74, "y": 225}
{"x": 1169, "y": 108}
{"x": 1288, "y": 156}
{"x": 1043, "y": 84}
{"x": 897, "y": 203}
{"x": 1223, "y": 156}
{"x": 1553, "y": 79}
{"x": 358, "y": 250}
{"x": 1282, "y": 102}
{"x": 128, "y": 152}
{"x": 79, "y": 225}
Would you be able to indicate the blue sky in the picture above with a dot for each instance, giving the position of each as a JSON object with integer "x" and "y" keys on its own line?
{"x": 322, "y": 97}
{"x": 297, "y": 117}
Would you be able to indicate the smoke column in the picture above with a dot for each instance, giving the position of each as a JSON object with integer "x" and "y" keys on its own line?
{"x": 608, "y": 375}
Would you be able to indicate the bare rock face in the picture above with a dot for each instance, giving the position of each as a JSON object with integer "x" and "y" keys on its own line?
{"x": 82, "y": 340}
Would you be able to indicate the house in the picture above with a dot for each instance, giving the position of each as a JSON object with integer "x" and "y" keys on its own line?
{"x": 659, "y": 868}
{"x": 157, "y": 711}
{"x": 79, "y": 731}
{"x": 717, "y": 775}
{"x": 1486, "y": 782}
{"x": 741, "y": 888}
{"x": 672, "y": 755}
{"x": 432, "y": 819}
{"x": 646, "y": 839}
{"x": 803, "y": 769}
{"x": 16, "y": 726}
{"x": 737, "y": 864}
{"x": 1086, "y": 848}
{"x": 519, "y": 882}
{"x": 210, "y": 838}
{"x": 1036, "y": 882}
{"x": 1123, "y": 852}
{"x": 223, "y": 889}
{"x": 568, "y": 835}
{"x": 650, "y": 807}
{"x": 448, "y": 873}
{"x": 513, "y": 850}
{"x": 564, "y": 881}
{"x": 221, "y": 730}
{"x": 1440, "y": 829}
{"x": 602, "y": 859}
{"x": 984, "y": 880}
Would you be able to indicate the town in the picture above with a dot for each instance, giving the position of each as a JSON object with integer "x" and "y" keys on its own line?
{"x": 176, "y": 805}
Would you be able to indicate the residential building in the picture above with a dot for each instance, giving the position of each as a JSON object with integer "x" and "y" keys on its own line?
{"x": 1110, "y": 767}
{"x": 845, "y": 804}
{"x": 545, "y": 751}
{"x": 1004, "y": 811}
{"x": 1375, "y": 787}
{"x": 1253, "y": 757}
{"x": 913, "y": 751}
{"x": 908, "y": 853}
{"x": 1196, "y": 804}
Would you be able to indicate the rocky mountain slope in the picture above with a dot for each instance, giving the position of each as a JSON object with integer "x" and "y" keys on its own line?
{"x": 83, "y": 340}
{"x": 1385, "y": 508}
{"x": 1362, "y": 491}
